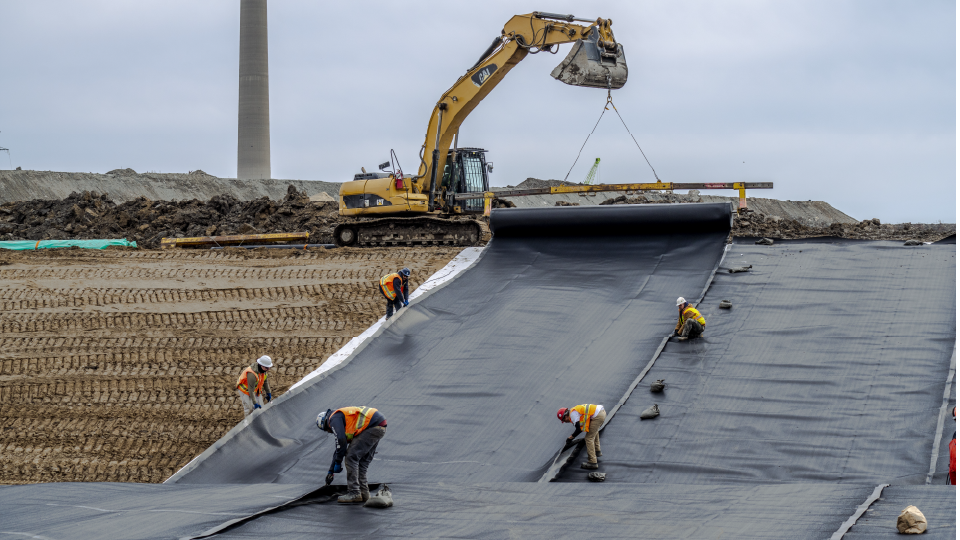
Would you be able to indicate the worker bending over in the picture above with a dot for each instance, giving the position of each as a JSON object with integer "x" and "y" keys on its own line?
{"x": 358, "y": 431}
{"x": 394, "y": 288}
{"x": 255, "y": 376}
{"x": 691, "y": 323}
{"x": 589, "y": 419}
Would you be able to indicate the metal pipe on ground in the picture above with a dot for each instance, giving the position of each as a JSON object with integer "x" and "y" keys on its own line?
{"x": 290, "y": 246}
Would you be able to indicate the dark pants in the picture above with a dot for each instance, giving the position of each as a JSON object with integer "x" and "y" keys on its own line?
{"x": 691, "y": 329}
{"x": 359, "y": 455}
{"x": 392, "y": 305}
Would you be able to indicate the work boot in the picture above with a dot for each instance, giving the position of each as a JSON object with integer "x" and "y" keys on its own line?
{"x": 365, "y": 495}
{"x": 588, "y": 465}
{"x": 599, "y": 453}
{"x": 355, "y": 497}
{"x": 681, "y": 338}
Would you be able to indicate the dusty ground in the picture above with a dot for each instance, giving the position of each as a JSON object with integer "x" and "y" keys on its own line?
{"x": 120, "y": 366}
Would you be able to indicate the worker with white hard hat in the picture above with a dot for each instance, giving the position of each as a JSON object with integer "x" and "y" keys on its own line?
{"x": 691, "y": 323}
{"x": 255, "y": 376}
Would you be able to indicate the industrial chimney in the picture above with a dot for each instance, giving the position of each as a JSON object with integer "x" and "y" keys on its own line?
{"x": 253, "y": 141}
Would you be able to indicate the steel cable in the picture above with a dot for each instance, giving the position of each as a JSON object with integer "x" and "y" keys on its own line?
{"x": 610, "y": 102}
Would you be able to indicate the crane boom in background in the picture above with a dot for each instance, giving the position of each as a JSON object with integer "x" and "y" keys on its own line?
{"x": 594, "y": 174}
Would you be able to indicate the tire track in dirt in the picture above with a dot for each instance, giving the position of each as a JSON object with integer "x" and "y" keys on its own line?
{"x": 102, "y": 380}
{"x": 22, "y": 299}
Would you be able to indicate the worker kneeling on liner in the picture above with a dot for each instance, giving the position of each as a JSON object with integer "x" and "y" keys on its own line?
{"x": 255, "y": 376}
{"x": 691, "y": 323}
{"x": 358, "y": 431}
{"x": 394, "y": 288}
{"x": 589, "y": 419}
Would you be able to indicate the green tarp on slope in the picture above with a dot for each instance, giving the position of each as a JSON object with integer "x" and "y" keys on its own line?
{"x": 20, "y": 245}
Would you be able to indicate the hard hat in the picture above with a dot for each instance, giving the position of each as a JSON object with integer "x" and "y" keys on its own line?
{"x": 322, "y": 419}
{"x": 265, "y": 361}
{"x": 681, "y": 301}
{"x": 405, "y": 272}
{"x": 561, "y": 413}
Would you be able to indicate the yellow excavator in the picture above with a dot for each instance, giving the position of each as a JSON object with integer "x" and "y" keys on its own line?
{"x": 430, "y": 208}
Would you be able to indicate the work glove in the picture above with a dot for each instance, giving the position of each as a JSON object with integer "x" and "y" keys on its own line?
{"x": 256, "y": 406}
{"x": 269, "y": 397}
{"x": 405, "y": 303}
{"x": 329, "y": 479}
{"x": 336, "y": 468}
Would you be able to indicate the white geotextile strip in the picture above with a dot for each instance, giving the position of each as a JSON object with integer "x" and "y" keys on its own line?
{"x": 459, "y": 263}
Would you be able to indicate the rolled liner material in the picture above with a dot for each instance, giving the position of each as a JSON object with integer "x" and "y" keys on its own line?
{"x": 471, "y": 375}
{"x": 617, "y": 220}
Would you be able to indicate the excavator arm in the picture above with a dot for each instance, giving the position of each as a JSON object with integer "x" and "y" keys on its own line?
{"x": 596, "y": 61}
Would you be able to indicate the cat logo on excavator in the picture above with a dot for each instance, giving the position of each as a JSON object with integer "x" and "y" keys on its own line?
{"x": 481, "y": 76}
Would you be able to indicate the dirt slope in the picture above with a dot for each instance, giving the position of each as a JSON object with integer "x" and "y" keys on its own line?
{"x": 119, "y": 366}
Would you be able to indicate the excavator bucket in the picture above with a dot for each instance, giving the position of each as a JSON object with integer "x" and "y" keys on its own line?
{"x": 593, "y": 63}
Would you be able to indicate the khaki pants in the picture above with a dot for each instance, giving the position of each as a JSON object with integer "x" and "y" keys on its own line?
{"x": 247, "y": 402}
{"x": 593, "y": 436}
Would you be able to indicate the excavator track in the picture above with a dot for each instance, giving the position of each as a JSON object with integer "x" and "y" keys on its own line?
{"x": 417, "y": 231}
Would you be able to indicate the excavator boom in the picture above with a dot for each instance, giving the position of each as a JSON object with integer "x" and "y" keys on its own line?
{"x": 596, "y": 60}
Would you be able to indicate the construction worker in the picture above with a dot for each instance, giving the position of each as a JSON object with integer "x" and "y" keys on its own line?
{"x": 255, "y": 376}
{"x": 691, "y": 323}
{"x": 358, "y": 431}
{"x": 589, "y": 419}
{"x": 394, "y": 288}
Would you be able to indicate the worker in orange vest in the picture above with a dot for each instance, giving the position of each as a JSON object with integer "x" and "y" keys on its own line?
{"x": 255, "y": 376}
{"x": 358, "y": 431}
{"x": 691, "y": 323}
{"x": 588, "y": 419}
{"x": 394, "y": 289}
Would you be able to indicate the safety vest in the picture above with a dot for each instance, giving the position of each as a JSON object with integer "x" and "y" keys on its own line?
{"x": 692, "y": 313}
{"x": 242, "y": 381}
{"x": 357, "y": 419}
{"x": 386, "y": 285}
{"x": 586, "y": 411}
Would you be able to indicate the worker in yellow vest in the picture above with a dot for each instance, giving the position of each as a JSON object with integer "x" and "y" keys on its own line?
{"x": 358, "y": 431}
{"x": 588, "y": 419}
{"x": 254, "y": 377}
{"x": 691, "y": 323}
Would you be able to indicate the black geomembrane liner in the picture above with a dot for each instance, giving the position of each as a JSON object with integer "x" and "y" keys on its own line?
{"x": 830, "y": 367}
{"x": 470, "y": 377}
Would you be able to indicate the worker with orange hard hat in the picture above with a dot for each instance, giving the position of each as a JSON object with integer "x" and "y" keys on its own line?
{"x": 588, "y": 419}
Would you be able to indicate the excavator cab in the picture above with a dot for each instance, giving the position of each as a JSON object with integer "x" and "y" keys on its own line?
{"x": 593, "y": 63}
{"x": 465, "y": 172}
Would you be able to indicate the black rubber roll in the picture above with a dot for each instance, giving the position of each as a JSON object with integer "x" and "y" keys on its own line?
{"x": 610, "y": 220}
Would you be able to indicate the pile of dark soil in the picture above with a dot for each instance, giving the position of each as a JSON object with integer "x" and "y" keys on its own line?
{"x": 753, "y": 224}
{"x": 536, "y": 183}
{"x": 90, "y": 215}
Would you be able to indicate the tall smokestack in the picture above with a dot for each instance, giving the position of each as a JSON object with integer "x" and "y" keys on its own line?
{"x": 253, "y": 141}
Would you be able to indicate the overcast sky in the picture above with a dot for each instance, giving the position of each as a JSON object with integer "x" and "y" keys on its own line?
{"x": 851, "y": 102}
